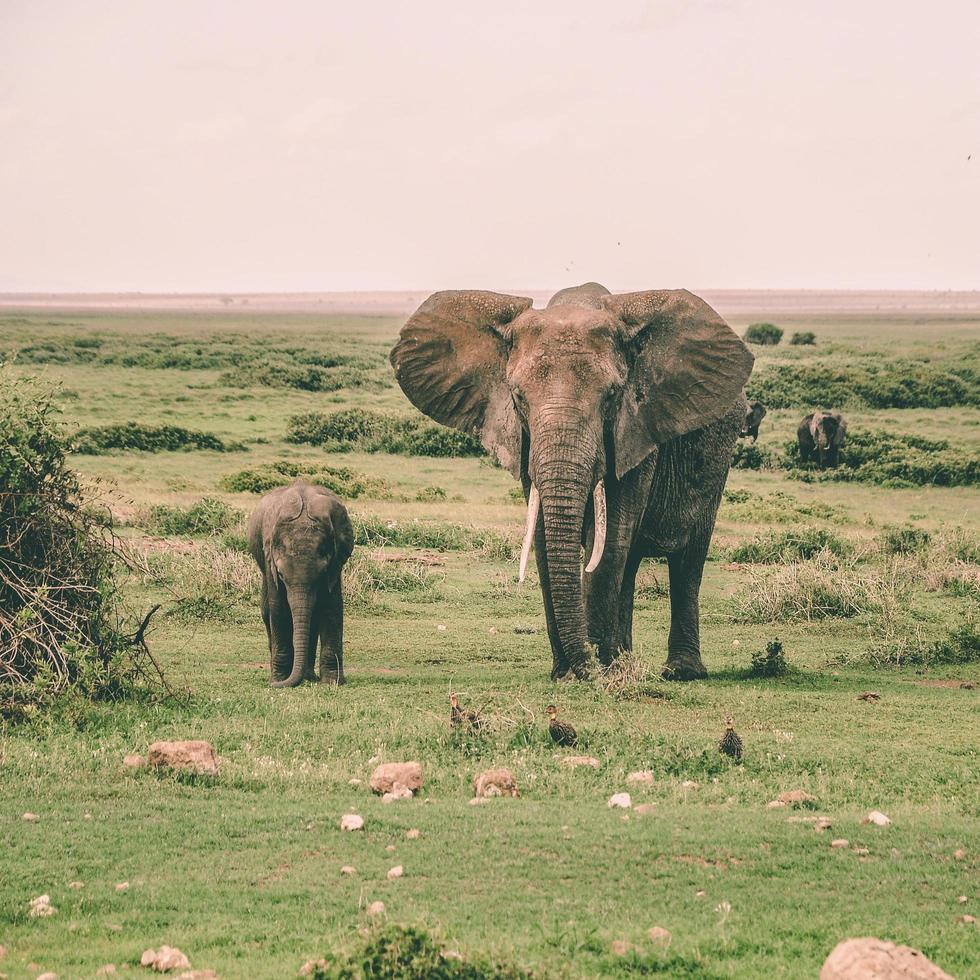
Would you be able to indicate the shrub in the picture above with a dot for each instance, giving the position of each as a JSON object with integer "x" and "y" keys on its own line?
{"x": 798, "y": 544}
{"x": 430, "y": 494}
{"x": 347, "y": 483}
{"x": 305, "y": 377}
{"x": 365, "y": 579}
{"x": 770, "y": 662}
{"x": 59, "y": 607}
{"x": 804, "y": 338}
{"x": 751, "y": 457}
{"x": 95, "y": 440}
{"x": 767, "y": 334}
{"x": 208, "y": 516}
{"x": 959, "y": 646}
{"x": 378, "y": 432}
{"x": 905, "y": 540}
{"x": 373, "y": 531}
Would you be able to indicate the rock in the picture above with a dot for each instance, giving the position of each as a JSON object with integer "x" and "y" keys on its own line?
{"x": 105, "y": 971}
{"x": 477, "y": 800}
{"x": 375, "y": 909}
{"x": 574, "y": 761}
{"x": 311, "y": 966}
{"x": 736, "y": 644}
{"x": 967, "y": 920}
{"x": 643, "y": 776}
{"x": 493, "y": 631}
{"x": 47, "y": 976}
{"x": 775, "y": 804}
{"x": 622, "y": 801}
{"x": 197, "y": 975}
{"x": 41, "y": 907}
{"x": 689, "y": 784}
{"x": 822, "y": 823}
{"x": 390, "y": 775}
{"x": 644, "y": 809}
{"x": 413, "y": 833}
{"x": 351, "y": 821}
{"x": 959, "y": 854}
{"x": 876, "y": 959}
{"x": 348, "y": 869}
{"x": 396, "y": 872}
{"x": 441, "y": 628}
{"x": 795, "y": 797}
{"x": 122, "y": 886}
{"x": 659, "y": 936}
{"x": 877, "y": 818}
{"x": 390, "y": 848}
{"x": 960, "y": 898}
{"x": 398, "y": 793}
{"x": 353, "y": 782}
{"x": 861, "y": 851}
{"x": 523, "y": 629}
{"x": 496, "y": 782}
{"x": 620, "y": 947}
{"x": 133, "y": 761}
{"x": 30, "y": 817}
{"x": 840, "y": 842}
{"x": 165, "y": 958}
{"x": 195, "y": 756}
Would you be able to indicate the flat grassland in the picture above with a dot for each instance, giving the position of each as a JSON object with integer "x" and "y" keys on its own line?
{"x": 242, "y": 872}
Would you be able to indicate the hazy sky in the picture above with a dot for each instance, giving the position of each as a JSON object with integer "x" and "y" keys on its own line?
{"x": 196, "y": 145}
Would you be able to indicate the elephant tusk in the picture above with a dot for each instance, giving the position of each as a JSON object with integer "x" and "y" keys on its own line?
{"x": 533, "y": 503}
{"x": 599, "y": 540}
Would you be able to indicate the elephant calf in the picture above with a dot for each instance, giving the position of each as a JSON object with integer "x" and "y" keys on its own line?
{"x": 821, "y": 435}
{"x": 300, "y": 536}
{"x": 753, "y": 419}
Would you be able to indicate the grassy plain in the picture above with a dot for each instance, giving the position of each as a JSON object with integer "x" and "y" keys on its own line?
{"x": 243, "y": 872}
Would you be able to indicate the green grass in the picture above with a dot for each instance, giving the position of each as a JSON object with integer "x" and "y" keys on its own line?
{"x": 242, "y": 872}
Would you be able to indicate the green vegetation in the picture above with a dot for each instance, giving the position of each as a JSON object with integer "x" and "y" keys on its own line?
{"x": 95, "y": 440}
{"x": 377, "y": 432}
{"x": 770, "y": 662}
{"x": 242, "y": 872}
{"x": 804, "y": 338}
{"x": 765, "y": 334}
{"x": 785, "y": 546}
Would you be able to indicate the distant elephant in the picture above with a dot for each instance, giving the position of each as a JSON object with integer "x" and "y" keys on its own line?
{"x": 821, "y": 435}
{"x": 753, "y": 417}
{"x": 618, "y": 414}
{"x": 300, "y": 536}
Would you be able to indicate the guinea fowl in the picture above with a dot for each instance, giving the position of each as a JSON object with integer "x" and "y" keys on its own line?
{"x": 463, "y": 717}
{"x": 561, "y": 732}
{"x": 730, "y": 744}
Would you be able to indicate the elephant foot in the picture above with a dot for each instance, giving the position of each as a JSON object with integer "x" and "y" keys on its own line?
{"x": 332, "y": 677}
{"x": 689, "y": 669}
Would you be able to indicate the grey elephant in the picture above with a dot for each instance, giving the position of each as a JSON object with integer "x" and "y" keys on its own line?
{"x": 618, "y": 414}
{"x": 754, "y": 415}
{"x": 820, "y": 436}
{"x": 300, "y": 536}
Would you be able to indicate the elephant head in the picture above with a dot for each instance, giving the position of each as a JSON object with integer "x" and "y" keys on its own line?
{"x": 753, "y": 419}
{"x": 827, "y": 430}
{"x": 570, "y": 396}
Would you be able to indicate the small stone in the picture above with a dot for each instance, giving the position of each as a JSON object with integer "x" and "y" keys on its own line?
{"x": 645, "y": 809}
{"x": 493, "y": 631}
{"x": 659, "y": 936}
{"x": 396, "y": 872}
{"x": 390, "y": 848}
{"x": 644, "y": 776}
{"x": 477, "y": 800}
{"x": 41, "y": 907}
{"x": 164, "y": 959}
{"x": 133, "y": 761}
{"x": 689, "y": 784}
{"x": 736, "y": 644}
{"x": 822, "y": 823}
{"x": 795, "y": 797}
{"x": 348, "y": 869}
{"x": 622, "y": 801}
{"x": 398, "y": 793}
{"x": 574, "y": 761}
{"x": 959, "y": 854}
{"x": 312, "y": 966}
{"x": 351, "y": 821}
{"x": 197, "y": 975}
{"x": 700, "y": 894}
{"x": 195, "y": 755}
{"x": 387, "y": 777}
{"x": 496, "y": 782}
{"x": 441, "y": 628}
{"x": 47, "y": 976}
{"x": 30, "y": 817}
{"x": 524, "y": 629}
{"x": 776, "y": 804}
{"x": 967, "y": 920}
{"x": 353, "y": 782}
{"x": 840, "y": 842}
{"x": 620, "y": 947}
{"x": 961, "y": 899}
{"x": 413, "y": 833}
{"x": 877, "y": 818}
{"x": 861, "y": 851}
{"x": 75, "y": 885}
{"x": 375, "y": 909}
{"x": 122, "y": 886}
{"x": 105, "y": 971}
{"x": 87, "y": 816}
{"x": 863, "y": 959}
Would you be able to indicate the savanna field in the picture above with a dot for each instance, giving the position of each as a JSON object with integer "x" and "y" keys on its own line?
{"x": 819, "y": 587}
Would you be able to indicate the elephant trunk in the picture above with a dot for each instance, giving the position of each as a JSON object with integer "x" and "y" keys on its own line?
{"x": 302, "y": 612}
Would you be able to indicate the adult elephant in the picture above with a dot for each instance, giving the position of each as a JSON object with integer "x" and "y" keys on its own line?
{"x": 820, "y": 437}
{"x": 618, "y": 413}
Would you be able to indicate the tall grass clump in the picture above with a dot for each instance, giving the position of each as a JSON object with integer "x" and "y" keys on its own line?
{"x": 373, "y": 531}
{"x": 798, "y": 544}
{"x": 98, "y": 439}
{"x": 208, "y": 516}
{"x": 59, "y": 605}
{"x": 367, "y": 580}
{"x": 803, "y": 338}
{"x": 347, "y": 483}
{"x": 378, "y": 432}
{"x": 765, "y": 334}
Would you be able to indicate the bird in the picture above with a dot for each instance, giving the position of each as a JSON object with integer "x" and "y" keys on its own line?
{"x": 730, "y": 744}
{"x": 561, "y": 732}
{"x": 462, "y": 717}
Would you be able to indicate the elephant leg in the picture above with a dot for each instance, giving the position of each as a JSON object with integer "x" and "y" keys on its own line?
{"x": 266, "y": 614}
{"x": 560, "y": 665}
{"x": 332, "y": 637}
{"x": 627, "y": 594}
{"x": 602, "y": 603}
{"x": 309, "y": 660}
{"x": 684, "y": 643}
{"x": 280, "y": 635}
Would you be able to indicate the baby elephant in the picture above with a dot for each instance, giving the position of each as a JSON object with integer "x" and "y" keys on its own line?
{"x": 821, "y": 435}
{"x": 300, "y": 536}
{"x": 753, "y": 417}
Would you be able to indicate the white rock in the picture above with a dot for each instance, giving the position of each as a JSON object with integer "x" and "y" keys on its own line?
{"x": 391, "y": 776}
{"x": 622, "y": 801}
{"x": 351, "y": 821}
{"x": 396, "y": 872}
{"x": 47, "y": 976}
{"x": 441, "y": 628}
{"x": 736, "y": 644}
{"x": 398, "y": 793}
{"x": 877, "y": 818}
{"x": 164, "y": 959}
{"x": 30, "y": 817}
{"x": 375, "y": 909}
{"x": 196, "y": 755}
{"x": 840, "y": 842}
{"x": 876, "y": 959}
{"x": 122, "y": 886}
{"x": 41, "y": 907}
{"x": 413, "y": 833}
{"x": 644, "y": 776}
{"x": 348, "y": 869}
{"x": 659, "y": 936}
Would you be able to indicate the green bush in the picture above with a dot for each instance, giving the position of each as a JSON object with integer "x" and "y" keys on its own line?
{"x": 804, "y": 338}
{"x": 348, "y": 484}
{"x": 751, "y": 457}
{"x": 372, "y": 531}
{"x": 767, "y": 334}
{"x": 770, "y": 662}
{"x": 799, "y": 544}
{"x": 905, "y": 540}
{"x": 208, "y": 516}
{"x": 96, "y": 440}
{"x": 378, "y": 432}
{"x": 59, "y": 618}
{"x": 305, "y": 377}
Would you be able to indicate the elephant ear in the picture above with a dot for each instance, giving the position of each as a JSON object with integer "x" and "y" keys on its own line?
{"x": 687, "y": 367}
{"x": 451, "y": 362}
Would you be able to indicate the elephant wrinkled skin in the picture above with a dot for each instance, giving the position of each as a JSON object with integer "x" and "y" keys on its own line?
{"x": 618, "y": 414}
{"x": 300, "y": 537}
